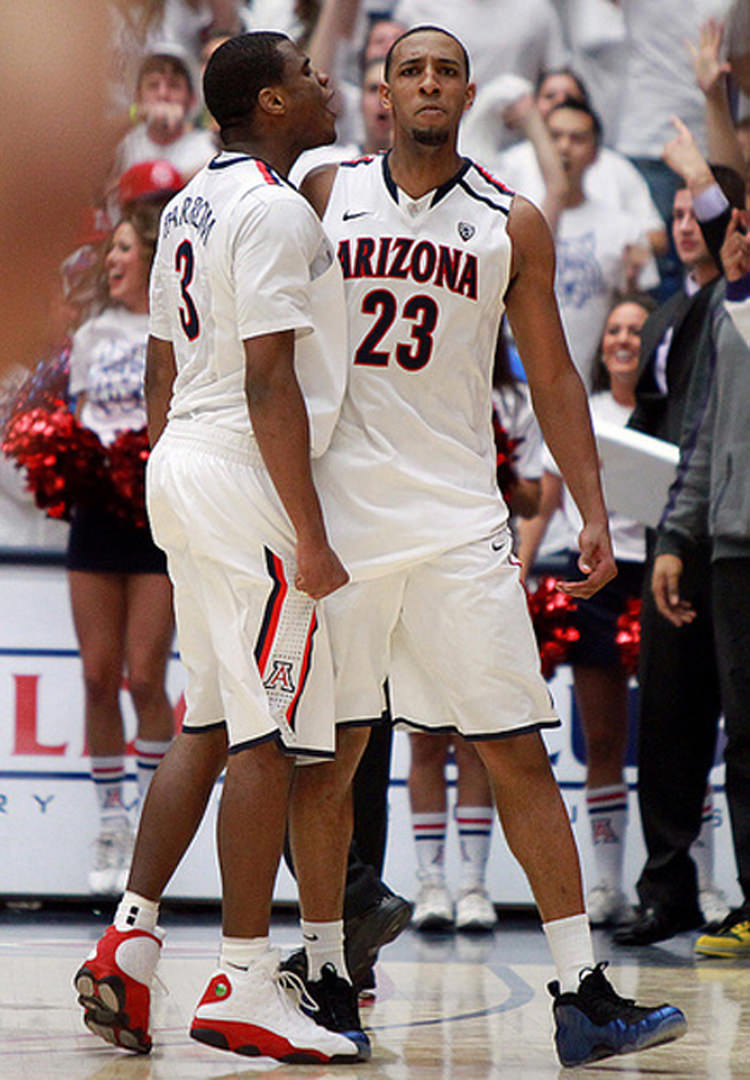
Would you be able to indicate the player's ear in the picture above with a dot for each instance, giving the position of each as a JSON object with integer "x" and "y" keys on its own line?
{"x": 272, "y": 100}
{"x": 384, "y": 91}
{"x": 471, "y": 93}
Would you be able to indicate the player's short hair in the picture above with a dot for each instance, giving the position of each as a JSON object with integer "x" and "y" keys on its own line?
{"x": 236, "y": 73}
{"x": 419, "y": 30}
{"x": 164, "y": 62}
{"x": 582, "y": 107}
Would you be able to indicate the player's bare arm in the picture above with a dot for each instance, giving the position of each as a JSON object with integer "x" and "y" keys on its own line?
{"x": 280, "y": 424}
{"x": 161, "y": 372}
{"x": 316, "y": 187}
{"x": 558, "y": 394}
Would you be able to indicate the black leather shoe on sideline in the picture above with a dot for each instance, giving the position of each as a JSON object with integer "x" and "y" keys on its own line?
{"x": 367, "y": 933}
{"x": 656, "y": 923}
{"x": 364, "y": 936}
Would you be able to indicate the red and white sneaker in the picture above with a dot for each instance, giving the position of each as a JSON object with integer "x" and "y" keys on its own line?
{"x": 257, "y": 1013}
{"x": 114, "y": 987}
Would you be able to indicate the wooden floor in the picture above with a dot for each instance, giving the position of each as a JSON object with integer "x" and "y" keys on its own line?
{"x": 454, "y": 1008}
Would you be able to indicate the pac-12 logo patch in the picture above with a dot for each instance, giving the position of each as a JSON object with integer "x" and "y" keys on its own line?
{"x": 465, "y": 230}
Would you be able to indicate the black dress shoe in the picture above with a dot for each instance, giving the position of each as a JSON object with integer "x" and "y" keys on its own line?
{"x": 364, "y": 935}
{"x": 657, "y": 923}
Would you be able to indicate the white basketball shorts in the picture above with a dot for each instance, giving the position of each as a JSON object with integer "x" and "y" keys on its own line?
{"x": 255, "y": 649}
{"x": 454, "y": 638}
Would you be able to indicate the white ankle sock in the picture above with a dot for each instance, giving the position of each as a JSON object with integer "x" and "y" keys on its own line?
{"x": 241, "y": 952}
{"x": 135, "y": 912}
{"x": 324, "y": 944}
{"x": 569, "y": 941}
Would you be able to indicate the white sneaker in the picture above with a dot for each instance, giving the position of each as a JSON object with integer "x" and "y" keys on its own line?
{"x": 114, "y": 986}
{"x": 113, "y": 850}
{"x": 255, "y": 1013}
{"x": 607, "y": 906}
{"x": 475, "y": 911}
{"x": 713, "y": 904}
{"x": 433, "y": 908}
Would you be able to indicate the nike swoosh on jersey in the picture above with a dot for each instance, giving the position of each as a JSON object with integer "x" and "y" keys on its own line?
{"x": 349, "y": 215}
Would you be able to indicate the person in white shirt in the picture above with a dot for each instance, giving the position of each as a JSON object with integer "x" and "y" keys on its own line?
{"x": 598, "y": 252}
{"x": 120, "y": 594}
{"x": 164, "y": 100}
{"x": 610, "y": 178}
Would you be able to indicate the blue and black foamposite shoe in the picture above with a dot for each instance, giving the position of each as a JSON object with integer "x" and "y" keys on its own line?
{"x": 594, "y": 1022}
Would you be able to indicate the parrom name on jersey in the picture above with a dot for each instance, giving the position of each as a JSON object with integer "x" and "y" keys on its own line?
{"x": 403, "y": 257}
{"x": 195, "y": 212}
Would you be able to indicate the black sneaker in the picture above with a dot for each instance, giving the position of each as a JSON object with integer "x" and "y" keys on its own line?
{"x": 337, "y": 1010}
{"x": 594, "y": 1022}
{"x": 364, "y": 937}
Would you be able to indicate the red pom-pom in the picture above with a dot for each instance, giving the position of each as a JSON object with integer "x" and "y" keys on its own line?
{"x": 127, "y": 457}
{"x": 505, "y": 447}
{"x": 552, "y": 618}
{"x": 628, "y": 635}
{"x": 66, "y": 464}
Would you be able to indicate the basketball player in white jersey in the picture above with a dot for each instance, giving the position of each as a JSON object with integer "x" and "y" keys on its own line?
{"x": 247, "y": 359}
{"x": 433, "y": 249}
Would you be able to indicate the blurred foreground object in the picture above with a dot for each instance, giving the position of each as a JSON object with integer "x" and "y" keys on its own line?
{"x": 52, "y": 143}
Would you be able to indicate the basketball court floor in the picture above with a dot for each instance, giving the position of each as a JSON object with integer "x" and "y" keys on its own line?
{"x": 447, "y": 1008}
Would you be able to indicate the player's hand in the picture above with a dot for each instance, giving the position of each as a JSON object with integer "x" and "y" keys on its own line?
{"x": 319, "y": 570}
{"x": 596, "y": 561}
{"x": 665, "y": 585}
{"x": 735, "y": 251}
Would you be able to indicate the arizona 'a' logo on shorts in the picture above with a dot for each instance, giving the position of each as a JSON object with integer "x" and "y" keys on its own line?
{"x": 281, "y": 678}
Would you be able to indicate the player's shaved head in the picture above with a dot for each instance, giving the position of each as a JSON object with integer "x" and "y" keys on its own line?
{"x": 236, "y": 73}
{"x": 426, "y": 28}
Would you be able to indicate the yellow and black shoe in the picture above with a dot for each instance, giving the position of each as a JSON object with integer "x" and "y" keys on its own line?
{"x": 730, "y": 938}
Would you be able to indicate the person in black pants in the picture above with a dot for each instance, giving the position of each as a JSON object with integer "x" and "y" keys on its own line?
{"x": 679, "y": 703}
{"x": 373, "y": 914}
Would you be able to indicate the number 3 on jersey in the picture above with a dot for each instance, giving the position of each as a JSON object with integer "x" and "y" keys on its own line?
{"x": 421, "y": 311}
{"x": 184, "y": 264}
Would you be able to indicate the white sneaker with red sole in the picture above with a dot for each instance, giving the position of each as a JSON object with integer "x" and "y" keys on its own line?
{"x": 257, "y": 1013}
{"x": 114, "y": 987}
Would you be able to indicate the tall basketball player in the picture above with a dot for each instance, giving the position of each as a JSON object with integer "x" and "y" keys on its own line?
{"x": 433, "y": 250}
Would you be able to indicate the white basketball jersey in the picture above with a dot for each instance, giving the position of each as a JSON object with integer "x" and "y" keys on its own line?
{"x": 411, "y": 467}
{"x": 241, "y": 253}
